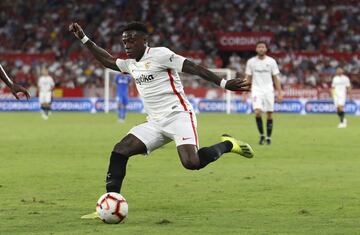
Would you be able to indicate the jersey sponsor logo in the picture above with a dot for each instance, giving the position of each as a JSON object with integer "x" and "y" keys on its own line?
{"x": 144, "y": 79}
{"x": 262, "y": 70}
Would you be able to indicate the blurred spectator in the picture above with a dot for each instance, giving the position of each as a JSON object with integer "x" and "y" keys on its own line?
{"x": 40, "y": 26}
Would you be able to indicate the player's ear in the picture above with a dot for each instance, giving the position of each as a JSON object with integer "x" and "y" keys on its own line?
{"x": 146, "y": 43}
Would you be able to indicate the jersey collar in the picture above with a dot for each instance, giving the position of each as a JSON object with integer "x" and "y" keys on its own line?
{"x": 147, "y": 49}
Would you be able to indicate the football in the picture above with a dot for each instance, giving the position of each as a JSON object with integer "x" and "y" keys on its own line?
{"x": 112, "y": 208}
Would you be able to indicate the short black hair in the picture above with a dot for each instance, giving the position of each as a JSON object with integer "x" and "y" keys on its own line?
{"x": 135, "y": 26}
{"x": 262, "y": 42}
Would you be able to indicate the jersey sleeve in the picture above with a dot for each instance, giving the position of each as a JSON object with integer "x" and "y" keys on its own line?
{"x": 248, "y": 68}
{"x": 123, "y": 65}
{"x": 348, "y": 84}
{"x": 333, "y": 82}
{"x": 52, "y": 82}
{"x": 170, "y": 59}
{"x": 275, "y": 68}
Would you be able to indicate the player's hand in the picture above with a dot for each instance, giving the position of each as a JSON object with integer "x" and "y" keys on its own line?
{"x": 237, "y": 84}
{"x": 76, "y": 29}
{"x": 279, "y": 98}
{"x": 19, "y": 89}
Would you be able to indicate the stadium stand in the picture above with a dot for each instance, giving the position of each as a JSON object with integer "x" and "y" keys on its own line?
{"x": 311, "y": 38}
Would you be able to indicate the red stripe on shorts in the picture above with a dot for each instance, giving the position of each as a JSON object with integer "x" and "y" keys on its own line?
{"x": 194, "y": 129}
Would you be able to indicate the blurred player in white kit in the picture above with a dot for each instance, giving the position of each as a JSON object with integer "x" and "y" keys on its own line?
{"x": 263, "y": 72}
{"x": 46, "y": 85}
{"x": 341, "y": 87}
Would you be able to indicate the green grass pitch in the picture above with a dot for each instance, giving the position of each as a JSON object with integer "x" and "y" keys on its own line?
{"x": 306, "y": 182}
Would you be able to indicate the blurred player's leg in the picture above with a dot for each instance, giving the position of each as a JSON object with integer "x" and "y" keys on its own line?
{"x": 340, "y": 103}
{"x": 121, "y": 113}
{"x": 259, "y": 124}
{"x": 122, "y": 102}
{"x": 269, "y": 102}
{"x": 269, "y": 127}
{"x": 45, "y": 99}
{"x": 47, "y": 109}
{"x": 43, "y": 112}
{"x": 341, "y": 114}
{"x": 257, "y": 103}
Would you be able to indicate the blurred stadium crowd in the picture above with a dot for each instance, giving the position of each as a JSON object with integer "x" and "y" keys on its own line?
{"x": 40, "y": 26}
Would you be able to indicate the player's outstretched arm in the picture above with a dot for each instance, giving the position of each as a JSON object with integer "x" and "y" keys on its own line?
{"x": 100, "y": 54}
{"x": 13, "y": 87}
{"x": 233, "y": 84}
{"x": 278, "y": 88}
{"x": 349, "y": 92}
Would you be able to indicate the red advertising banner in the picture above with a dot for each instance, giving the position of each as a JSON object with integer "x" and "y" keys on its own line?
{"x": 28, "y": 58}
{"x": 240, "y": 41}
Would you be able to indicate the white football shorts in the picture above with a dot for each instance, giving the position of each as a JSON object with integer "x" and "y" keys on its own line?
{"x": 339, "y": 100}
{"x": 263, "y": 101}
{"x": 178, "y": 126}
{"x": 45, "y": 97}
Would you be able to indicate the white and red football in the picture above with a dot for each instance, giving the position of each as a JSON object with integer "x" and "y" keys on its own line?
{"x": 112, "y": 208}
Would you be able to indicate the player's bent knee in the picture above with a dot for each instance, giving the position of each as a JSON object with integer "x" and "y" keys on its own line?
{"x": 257, "y": 113}
{"x": 191, "y": 165}
{"x": 188, "y": 157}
{"x": 121, "y": 149}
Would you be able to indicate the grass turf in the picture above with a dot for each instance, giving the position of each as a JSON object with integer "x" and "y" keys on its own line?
{"x": 306, "y": 182}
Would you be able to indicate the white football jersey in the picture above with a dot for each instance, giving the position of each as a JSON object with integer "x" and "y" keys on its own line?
{"x": 46, "y": 84}
{"x": 262, "y": 71}
{"x": 158, "y": 82}
{"x": 340, "y": 83}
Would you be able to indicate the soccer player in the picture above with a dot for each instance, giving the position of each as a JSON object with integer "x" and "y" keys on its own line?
{"x": 122, "y": 86}
{"x": 170, "y": 115}
{"x": 46, "y": 85}
{"x": 341, "y": 87}
{"x": 14, "y": 88}
{"x": 263, "y": 72}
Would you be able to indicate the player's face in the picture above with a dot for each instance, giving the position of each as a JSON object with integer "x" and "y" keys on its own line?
{"x": 261, "y": 49}
{"x": 339, "y": 71}
{"x": 134, "y": 44}
{"x": 45, "y": 72}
